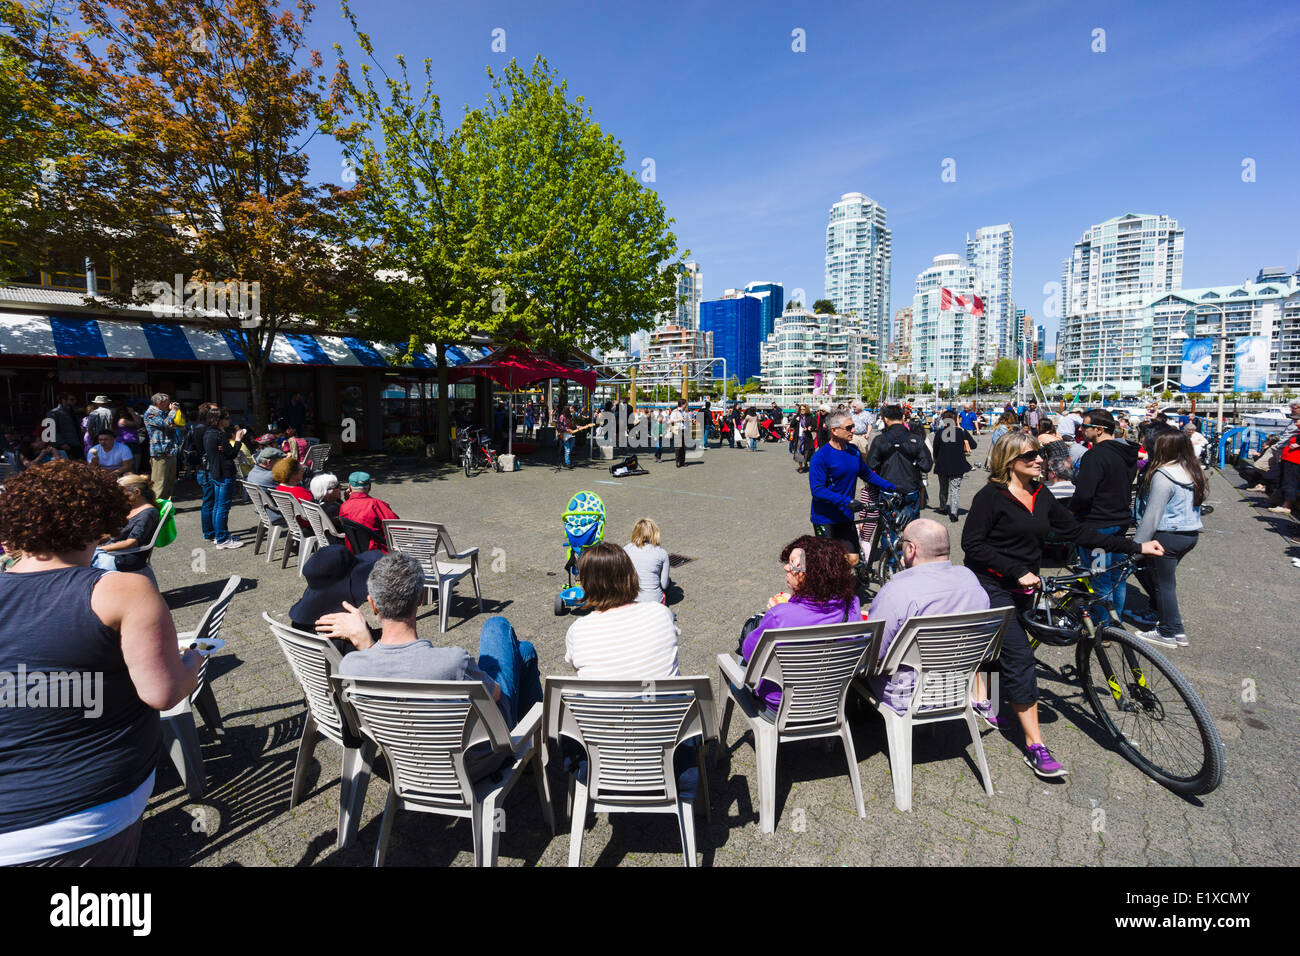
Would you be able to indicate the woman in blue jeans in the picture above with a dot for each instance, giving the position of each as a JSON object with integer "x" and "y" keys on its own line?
{"x": 219, "y": 456}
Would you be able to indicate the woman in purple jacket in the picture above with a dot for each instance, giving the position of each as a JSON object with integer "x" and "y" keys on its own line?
{"x": 821, "y": 592}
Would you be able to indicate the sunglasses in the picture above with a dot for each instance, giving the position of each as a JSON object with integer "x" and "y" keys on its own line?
{"x": 1029, "y": 456}
{"x": 796, "y": 568}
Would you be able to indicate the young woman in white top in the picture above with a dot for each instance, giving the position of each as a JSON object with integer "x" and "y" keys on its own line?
{"x": 621, "y": 638}
{"x": 650, "y": 561}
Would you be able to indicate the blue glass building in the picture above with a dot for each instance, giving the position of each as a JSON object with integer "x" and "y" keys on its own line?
{"x": 737, "y": 327}
{"x": 771, "y": 296}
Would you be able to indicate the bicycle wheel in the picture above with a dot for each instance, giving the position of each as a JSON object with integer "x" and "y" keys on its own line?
{"x": 1158, "y": 721}
{"x": 468, "y": 460}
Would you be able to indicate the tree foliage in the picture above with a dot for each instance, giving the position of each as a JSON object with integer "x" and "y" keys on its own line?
{"x": 824, "y": 307}
{"x": 209, "y": 107}
{"x": 1004, "y": 374}
{"x": 577, "y": 244}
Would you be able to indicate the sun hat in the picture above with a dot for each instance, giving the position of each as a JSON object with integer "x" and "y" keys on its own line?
{"x": 334, "y": 575}
{"x": 100, "y": 400}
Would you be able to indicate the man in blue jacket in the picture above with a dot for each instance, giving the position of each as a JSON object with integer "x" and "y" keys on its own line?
{"x": 833, "y": 479}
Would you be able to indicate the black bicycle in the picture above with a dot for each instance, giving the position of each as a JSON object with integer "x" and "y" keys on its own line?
{"x": 895, "y": 512}
{"x": 1153, "y": 715}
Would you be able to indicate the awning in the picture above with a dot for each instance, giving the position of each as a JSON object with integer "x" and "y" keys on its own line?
{"x": 59, "y": 336}
{"x": 515, "y": 366}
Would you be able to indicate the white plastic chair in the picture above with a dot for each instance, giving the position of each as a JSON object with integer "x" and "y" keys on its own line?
{"x": 180, "y": 735}
{"x": 814, "y": 667}
{"x": 322, "y": 525}
{"x": 261, "y": 501}
{"x": 316, "y": 457}
{"x": 291, "y": 508}
{"x": 425, "y": 729}
{"x": 314, "y": 660}
{"x": 946, "y": 651}
{"x": 423, "y": 540}
{"x": 629, "y": 730}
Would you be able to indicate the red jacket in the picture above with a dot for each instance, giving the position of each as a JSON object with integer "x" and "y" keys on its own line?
{"x": 370, "y": 512}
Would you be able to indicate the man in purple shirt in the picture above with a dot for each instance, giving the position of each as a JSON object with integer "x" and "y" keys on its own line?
{"x": 929, "y": 585}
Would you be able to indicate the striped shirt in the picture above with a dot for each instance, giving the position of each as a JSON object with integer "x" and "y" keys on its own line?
{"x": 633, "y": 642}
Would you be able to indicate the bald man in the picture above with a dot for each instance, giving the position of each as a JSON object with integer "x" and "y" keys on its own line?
{"x": 929, "y": 585}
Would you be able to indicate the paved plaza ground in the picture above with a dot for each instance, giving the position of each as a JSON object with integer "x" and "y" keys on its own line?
{"x": 725, "y": 519}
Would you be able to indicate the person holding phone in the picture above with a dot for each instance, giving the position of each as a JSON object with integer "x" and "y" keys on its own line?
{"x": 220, "y": 450}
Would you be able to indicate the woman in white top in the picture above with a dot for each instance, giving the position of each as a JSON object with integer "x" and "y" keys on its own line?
{"x": 650, "y": 561}
{"x": 621, "y": 638}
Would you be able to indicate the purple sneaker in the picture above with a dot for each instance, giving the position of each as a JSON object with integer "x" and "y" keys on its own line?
{"x": 1042, "y": 762}
{"x": 984, "y": 710}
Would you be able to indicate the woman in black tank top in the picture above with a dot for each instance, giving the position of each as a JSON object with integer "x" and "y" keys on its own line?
{"x": 81, "y": 746}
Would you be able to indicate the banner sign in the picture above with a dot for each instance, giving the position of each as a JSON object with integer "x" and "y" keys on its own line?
{"x": 1198, "y": 358}
{"x": 1251, "y": 373}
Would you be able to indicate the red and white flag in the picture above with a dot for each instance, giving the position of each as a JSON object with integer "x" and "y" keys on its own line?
{"x": 974, "y": 305}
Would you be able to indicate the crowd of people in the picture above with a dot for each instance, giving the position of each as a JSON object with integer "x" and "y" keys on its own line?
{"x": 73, "y": 789}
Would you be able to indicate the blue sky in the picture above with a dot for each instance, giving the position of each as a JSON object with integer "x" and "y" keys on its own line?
{"x": 752, "y": 142}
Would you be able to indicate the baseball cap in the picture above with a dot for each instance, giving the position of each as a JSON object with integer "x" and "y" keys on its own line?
{"x": 358, "y": 479}
{"x": 267, "y": 455}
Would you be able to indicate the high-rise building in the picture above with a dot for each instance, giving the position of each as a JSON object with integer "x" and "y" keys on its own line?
{"x": 944, "y": 341}
{"x": 1040, "y": 343}
{"x": 772, "y": 299}
{"x": 1116, "y": 269}
{"x": 688, "y": 296}
{"x": 991, "y": 253}
{"x": 805, "y": 343}
{"x": 668, "y": 349}
{"x": 857, "y": 264}
{"x": 900, "y": 340}
{"x": 736, "y": 322}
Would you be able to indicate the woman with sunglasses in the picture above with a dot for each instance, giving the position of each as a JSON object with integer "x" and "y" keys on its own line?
{"x": 1010, "y": 518}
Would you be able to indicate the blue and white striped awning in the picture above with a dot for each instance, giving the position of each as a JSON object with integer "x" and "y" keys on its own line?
{"x": 58, "y": 336}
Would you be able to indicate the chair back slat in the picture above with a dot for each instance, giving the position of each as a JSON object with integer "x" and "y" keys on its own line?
{"x": 947, "y": 650}
{"x": 814, "y": 667}
{"x": 629, "y": 730}
{"x": 288, "y": 506}
{"x": 419, "y": 539}
{"x": 425, "y": 729}
{"x": 254, "y": 493}
{"x": 321, "y": 525}
{"x": 313, "y": 660}
{"x": 317, "y": 455}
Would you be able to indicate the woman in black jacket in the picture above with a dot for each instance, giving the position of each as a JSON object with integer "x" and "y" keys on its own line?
{"x": 219, "y": 456}
{"x": 952, "y": 444}
{"x": 1009, "y": 520}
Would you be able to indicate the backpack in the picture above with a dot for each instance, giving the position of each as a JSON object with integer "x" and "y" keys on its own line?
{"x": 192, "y": 450}
{"x": 904, "y": 472}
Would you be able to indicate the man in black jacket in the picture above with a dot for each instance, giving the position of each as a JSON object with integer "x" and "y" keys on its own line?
{"x": 1103, "y": 496}
{"x": 898, "y": 454}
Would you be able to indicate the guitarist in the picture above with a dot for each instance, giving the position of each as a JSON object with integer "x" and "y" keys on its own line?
{"x": 566, "y": 430}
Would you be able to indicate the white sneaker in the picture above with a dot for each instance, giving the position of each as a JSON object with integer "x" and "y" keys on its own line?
{"x": 1182, "y": 640}
{"x": 230, "y": 544}
{"x": 1280, "y": 510}
{"x": 1155, "y": 637}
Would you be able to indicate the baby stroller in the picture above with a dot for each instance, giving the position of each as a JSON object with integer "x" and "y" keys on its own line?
{"x": 584, "y": 525}
{"x": 770, "y": 429}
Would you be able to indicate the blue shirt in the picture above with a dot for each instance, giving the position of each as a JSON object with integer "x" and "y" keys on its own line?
{"x": 968, "y": 420}
{"x": 833, "y": 477}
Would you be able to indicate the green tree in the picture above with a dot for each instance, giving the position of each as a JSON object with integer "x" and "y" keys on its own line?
{"x": 872, "y": 380}
{"x": 927, "y": 388}
{"x": 578, "y": 245}
{"x": 1004, "y": 374}
{"x": 824, "y": 307}
{"x": 432, "y": 259}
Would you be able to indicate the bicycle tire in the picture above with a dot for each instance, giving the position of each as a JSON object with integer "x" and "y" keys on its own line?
{"x": 468, "y": 460}
{"x": 1150, "y": 724}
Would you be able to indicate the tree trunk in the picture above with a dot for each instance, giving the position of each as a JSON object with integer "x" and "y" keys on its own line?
{"x": 444, "y": 406}
{"x": 257, "y": 391}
